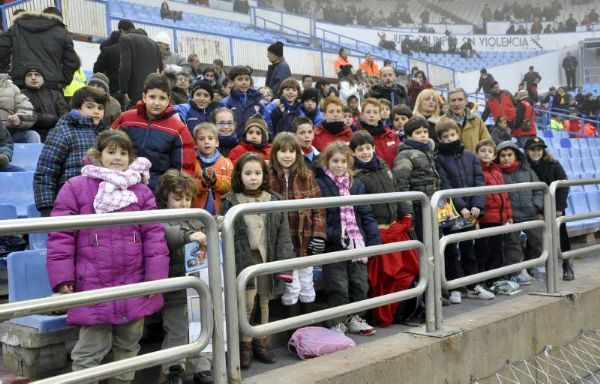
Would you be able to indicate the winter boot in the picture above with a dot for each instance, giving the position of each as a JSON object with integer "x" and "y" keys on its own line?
{"x": 261, "y": 353}
{"x": 245, "y": 354}
{"x": 291, "y": 311}
{"x": 568, "y": 273}
{"x": 307, "y": 307}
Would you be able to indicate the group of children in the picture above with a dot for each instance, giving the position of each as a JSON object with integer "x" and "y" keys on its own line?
{"x": 214, "y": 157}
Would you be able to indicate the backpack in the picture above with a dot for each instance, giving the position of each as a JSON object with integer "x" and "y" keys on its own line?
{"x": 309, "y": 342}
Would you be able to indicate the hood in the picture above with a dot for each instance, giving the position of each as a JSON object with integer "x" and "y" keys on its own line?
{"x": 37, "y": 21}
{"x": 509, "y": 144}
{"x": 141, "y": 108}
{"x": 112, "y": 40}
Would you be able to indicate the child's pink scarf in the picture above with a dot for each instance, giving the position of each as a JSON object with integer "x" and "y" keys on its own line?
{"x": 113, "y": 193}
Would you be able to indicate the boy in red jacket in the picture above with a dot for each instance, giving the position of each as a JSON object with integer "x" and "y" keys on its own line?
{"x": 333, "y": 128}
{"x": 157, "y": 132}
{"x": 498, "y": 210}
{"x": 256, "y": 139}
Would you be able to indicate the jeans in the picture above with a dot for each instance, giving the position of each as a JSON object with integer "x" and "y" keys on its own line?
{"x": 27, "y": 136}
{"x": 12, "y": 168}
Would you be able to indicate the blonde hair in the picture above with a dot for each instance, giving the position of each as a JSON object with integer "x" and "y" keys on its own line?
{"x": 422, "y": 95}
{"x": 206, "y": 126}
{"x": 371, "y": 101}
{"x": 337, "y": 147}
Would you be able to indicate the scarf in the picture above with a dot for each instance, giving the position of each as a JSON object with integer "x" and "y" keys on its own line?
{"x": 260, "y": 147}
{"x": 253, "y": 194}
{"x": 418, "y": 145}
{"x": 371, "y": 165}
{"x": 228, "y": 141}
{"x": 334, "y": 128}
{"x": 354, "y": 239}
{"x": 374, "y": 130}
{"x": 113, "y": 193}
{"x": 452, "y": 148}
{"x": 510, "y": 168}
{"x": 207, "y": 162}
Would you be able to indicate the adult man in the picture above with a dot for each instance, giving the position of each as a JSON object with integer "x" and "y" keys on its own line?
{"x": 173, "y": 63}
{"x": 531, "y": 80}
{"x": 307, "y": 82}
{"x": 485, "y": 81}
{"x": 473, "y": 130}
{"x": 389, "y": 89}
{"x": 500, "y": 103}
{"x": 569, "y": 64}
{"x": 39, "y": 38}
{"x": 218, "y": 66}
{"x": 48, "y": 104}
{"x": 342, "y": 59}
{"x": 279, "y": 69}
{"x": 140, "y": 57}
{"x": 370, "y": 66}
{"x": 194, "y": 63}
{"x": 108, "y": 62}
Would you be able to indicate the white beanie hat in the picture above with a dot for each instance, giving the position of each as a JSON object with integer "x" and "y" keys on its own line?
{"x": 163, "y": 37}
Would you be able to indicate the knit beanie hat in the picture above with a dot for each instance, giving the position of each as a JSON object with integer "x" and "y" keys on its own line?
{"x": 239, "y": 70}
{"x": 203, "y": 84}
{"x": 33, "y": 68}
{"x": 100, "y": 79}
{"x": 276, "y": 48}
{"x": 310, "y": 94}
{"x": 258, "y": 121}
{"x": 163, "y": 37}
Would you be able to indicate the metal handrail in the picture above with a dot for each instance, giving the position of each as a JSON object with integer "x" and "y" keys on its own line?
{"x": 59, "y": 223}
{"x": 330, "y": 313}
{"x": 560, "y": 255}
{"x": 440, "y": 244}
{"x": 228, "y": 233}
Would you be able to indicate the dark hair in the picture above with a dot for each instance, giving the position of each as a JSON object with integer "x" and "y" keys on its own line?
{"x": 290, "y": 82}
{"x": 286, "y": 140}
{"x": 401, "y": 110}
{"x": 174, "y": 181}
{"x": 341, "y": 50}
{"x": 305, "y": 76}
{"x": 444, "y": 126}
{"x": 108, "y": 139}
{"x": 420, "y": 72}
{"x": 210, "y": 69}
{"x": 359, "y": 138}
{"x": 156, "y": 81}
{"x": 125, "y": 25}
{"x": 88, "y": 93}
{"x": 300, "y": 120}
{"x": 53, "y": 11}
{"x": 485, "y": 143}
{"x": 483, "y": 71}
{"x": 415, "y": 123}
{"x": 237, "y": 185}
{"x": 347, "y": 109}
{"x": 218, "y": 62}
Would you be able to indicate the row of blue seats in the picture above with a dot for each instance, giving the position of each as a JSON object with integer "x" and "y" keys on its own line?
{"x": 26, "y": 155}
{"x": 9, "y": 211}
{"x": 584, "y": 202}
{"x": 553, "y": 133}
{"x": 565, "y": 142}
{"x": 569, "y": 153}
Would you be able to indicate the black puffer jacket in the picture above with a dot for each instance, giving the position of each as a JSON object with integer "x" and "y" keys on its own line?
{"x": 549, "y": 171}
{"x": 43, "y": 39}
{"x": 139, "y": 57}
{"x": 395, "y": 94}
{"x": 49, "y": 105}
{"x": 109, "y": 60}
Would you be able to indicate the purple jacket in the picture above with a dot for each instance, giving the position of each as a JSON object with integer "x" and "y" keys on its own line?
{"x": 106, "y": 257}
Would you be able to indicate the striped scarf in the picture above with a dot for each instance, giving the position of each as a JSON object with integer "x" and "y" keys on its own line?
{"x": 350, "y": 229}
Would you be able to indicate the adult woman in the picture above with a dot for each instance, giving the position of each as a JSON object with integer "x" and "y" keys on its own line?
{"x": 416, "y": 85}
{"x": 427, "y": 105}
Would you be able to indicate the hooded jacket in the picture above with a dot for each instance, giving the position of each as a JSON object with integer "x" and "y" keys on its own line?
{"x": 278, "y": 121}
{"x": 498, "y": 209}
{"x": 39, "y": 38}
{"x": 316, "y": 116}
{"x": 323, "y": 136}
{"x": 243, "y": 106}
{"x": 165, "y": 141}
{"x": 549, "y": 171}
{"x": 12, "y": 101}
{"x": 97, "y": 258}
{"x": 223, "y": 168}
{"x": 396, "y": 94}
{"x": 192, "y": 115}
{"x": 526, "y": 204}
{"x": 386, "y": 141}
{"x": 244, "y": 147}
{"x": 276, "y": 73}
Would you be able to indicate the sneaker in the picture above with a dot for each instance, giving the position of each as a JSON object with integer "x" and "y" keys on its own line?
{"x": 480, "y": 293}
{"x": 358, "y": 325}
{"x": 204, "y": 377}
{"x": 175, "y": 375}
{"x": 340, "y": 328}
{"x": 525, "y": 276}
{"x": 455, "y": 297}
{"x": 519, "y": 279}
{"x": 568, "y": 274}
{"x": 505, "y": 287}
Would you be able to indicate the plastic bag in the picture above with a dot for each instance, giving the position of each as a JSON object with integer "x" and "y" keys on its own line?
{"x": 309, "y": 342}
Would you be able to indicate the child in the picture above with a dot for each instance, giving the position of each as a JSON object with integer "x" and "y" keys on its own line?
{"x": 386, "y": 111}
{"x": 548, "y": 170}
{"x": 304, "y": 132}
{"x": 267, "y": 95}
{"x": 290, "y": 177}
{"x": 333, "y": 128}
{"x": 176, "y": 190}
{"x": 460, "y": 168}
{"x": 400, "y": 115}
{"x": 156, "y": 132}
{"x": 259, "y": 238}
{"x": 255, "y": 139}
{"x": 243, "y": 100}
{"x": 348, "y": 227}
{"x": 501, "y": 131}
{"x": 200, "y": 107}
{"x": 66, "y": 146}
{"x": 526, "y": 205}
{"x": 310, "y": 106}
{"x": 112, "y": 110}
{"x": 213, "y": 171}
{"x": 88, "y": 259}
{"x": 224, "y": 119}
{"x": 279, "y": 113}
{"x": 354, "y": 104}
{"x": 348, "y": 117}
{"x": 414, "y": 166}
{"x": 497, "y": 208}
{"x": 386, "y": 141}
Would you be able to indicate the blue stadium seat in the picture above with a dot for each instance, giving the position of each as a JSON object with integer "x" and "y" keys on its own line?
{"x": 578, "y": 201}
{"x": 575, "y": 152}
{"x": 596, "y": 161}
{"x": 594, "y": 151}
{"x": 582, "y": 143}
{"x": 585, "y": 152}
{"x": 554, "y": 152}
{"x": 594, "y": 201}
{"x": 26, "y": 155}
{"x": 576, "y": 165}
{"x": 556, "y": 142}
{"x": 561, "y": 134}
{"x": 565, "y": 143}
{"x": 574, "y": 143}
{"x": 566, "y": 166}
{"x": 28, "y": 279}
{"x": 588, "y": 164}
{"x": 8, "y": 211}
{"x": 17, "y": 189}
{"x": 564, "y": 153}
{"x": 547, "y": 134}
{"x": 36, "y": 240}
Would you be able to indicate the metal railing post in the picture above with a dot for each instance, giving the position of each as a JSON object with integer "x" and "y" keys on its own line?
{"x": 438, "y": 262}
{"x": 549, "y": 220}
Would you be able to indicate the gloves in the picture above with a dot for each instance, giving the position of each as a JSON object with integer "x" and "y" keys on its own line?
{"x": 316, "y": 246}
{"x": 209, "y": 176}
{"x": 362, "y": 260}
{"x": 4, "y": 160}
{"x": 45, "y": 212}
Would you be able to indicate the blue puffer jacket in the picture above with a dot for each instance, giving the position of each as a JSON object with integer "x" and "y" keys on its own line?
{"x": 316, "y": 116}
{"x": 461, "y": 169}
{"x": 243, "y": 105}
{"x": 281, "y": 121}
{"x": 192, "y": 115}
{"x": 364, "y": 216}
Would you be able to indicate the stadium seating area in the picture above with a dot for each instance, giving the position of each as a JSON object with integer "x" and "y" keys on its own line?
{"x": 485, "y": 59}
{"x": 593, "y": 88}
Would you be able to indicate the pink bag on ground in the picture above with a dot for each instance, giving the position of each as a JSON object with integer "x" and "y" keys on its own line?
{"x": 309, "y": 342}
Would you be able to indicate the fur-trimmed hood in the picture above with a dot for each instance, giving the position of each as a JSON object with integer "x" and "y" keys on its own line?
{"x": 38, "y": 21}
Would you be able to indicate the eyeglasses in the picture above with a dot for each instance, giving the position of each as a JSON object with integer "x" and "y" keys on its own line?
{"x": 224, "y": 123}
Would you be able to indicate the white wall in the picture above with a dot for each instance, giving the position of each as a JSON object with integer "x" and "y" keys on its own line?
{"x": 204, "y": 11}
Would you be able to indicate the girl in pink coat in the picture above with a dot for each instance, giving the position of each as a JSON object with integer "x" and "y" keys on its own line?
{"x": 95, "y": 258}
